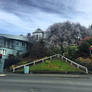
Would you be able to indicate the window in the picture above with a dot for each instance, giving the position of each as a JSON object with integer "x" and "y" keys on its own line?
{"x": 1, "y": 43}
{"x": 3, "y": 51}
{"x": 23, "y": 44}
{"x": 17, "y": 42}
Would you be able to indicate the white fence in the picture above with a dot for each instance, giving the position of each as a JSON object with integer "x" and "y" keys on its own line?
{"x": 51, "y": 57}
{"x": 74, "y": 63}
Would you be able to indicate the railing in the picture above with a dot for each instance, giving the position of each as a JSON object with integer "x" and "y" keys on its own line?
{"x": 74, "y": 63}
{"x": 51, "y": 57}
{"x": 34, "y": 62}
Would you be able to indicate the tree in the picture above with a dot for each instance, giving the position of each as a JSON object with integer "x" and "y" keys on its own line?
{"x": 66, "y": 32}
{"x": 84, "y": 49}
{"x": 72, "y": 52}
{"x": 38, "y": 50}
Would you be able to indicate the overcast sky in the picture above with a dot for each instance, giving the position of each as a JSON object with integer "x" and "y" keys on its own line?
{"x": 24, "y": 16}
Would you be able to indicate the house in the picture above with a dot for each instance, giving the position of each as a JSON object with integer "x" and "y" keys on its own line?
{"x": 39, "y": 34}
{"x": 12, "y": 44}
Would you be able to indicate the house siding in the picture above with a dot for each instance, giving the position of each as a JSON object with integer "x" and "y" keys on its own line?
{"x": 11, "y": 46}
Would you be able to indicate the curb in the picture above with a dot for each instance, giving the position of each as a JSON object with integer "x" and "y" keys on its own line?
{"x": 52, "y": 75}
{"x": 61, "y": 75}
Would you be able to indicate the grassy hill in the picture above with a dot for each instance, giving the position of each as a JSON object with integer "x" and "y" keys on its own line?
{"x": 55, "y": 65}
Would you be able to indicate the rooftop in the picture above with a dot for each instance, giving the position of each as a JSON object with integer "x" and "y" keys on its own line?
{"x": 38, "y": 31}
{"x": 16, "y": 37}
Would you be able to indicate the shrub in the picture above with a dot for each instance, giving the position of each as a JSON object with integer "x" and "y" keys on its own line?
{"x": 11, "y": 60}
{"x": 38, "y": 50}
{"x": 71, "y": 52}
{"x": 87, "y": 60}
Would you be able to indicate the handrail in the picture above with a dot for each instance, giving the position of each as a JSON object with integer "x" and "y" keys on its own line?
{"x": 50, "y": 57}
{"x": 20, "y": 66}
{"x": 78, "y": 65}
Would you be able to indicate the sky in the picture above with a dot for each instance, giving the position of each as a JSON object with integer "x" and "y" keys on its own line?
{"x": 25, "y": 16}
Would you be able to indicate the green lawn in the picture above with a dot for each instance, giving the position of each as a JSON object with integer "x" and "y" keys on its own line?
{"x": 54, "y": 65}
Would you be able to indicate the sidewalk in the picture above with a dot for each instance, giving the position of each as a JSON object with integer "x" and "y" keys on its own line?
{"x": 51, "y": 75}
{"x": 61, "y": 75}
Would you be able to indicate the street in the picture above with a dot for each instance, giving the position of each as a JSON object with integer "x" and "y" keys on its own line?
{"x": 45, "y": 83}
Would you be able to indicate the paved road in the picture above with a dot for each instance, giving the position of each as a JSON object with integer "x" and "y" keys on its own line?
{"x": 45, "y": 83}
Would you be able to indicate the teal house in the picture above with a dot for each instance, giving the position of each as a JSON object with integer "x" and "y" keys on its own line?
{"x": 11, "y": 44}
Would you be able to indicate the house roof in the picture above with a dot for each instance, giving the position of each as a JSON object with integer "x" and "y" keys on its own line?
{"x": 38, "y": 31}
{"x": 16, "y": 37}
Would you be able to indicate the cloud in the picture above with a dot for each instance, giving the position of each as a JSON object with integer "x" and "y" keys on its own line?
{"x": 23, "y": 16}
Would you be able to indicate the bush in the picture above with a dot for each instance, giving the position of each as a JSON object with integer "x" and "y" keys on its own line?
{"x": 71, "y": 52}
{"x": 38, "y": 50}
{"x": 11, "y": 60}
{"x": 84, "y": 49}
{"x": 56, "y": 50}
{"x": 87, "y": 60}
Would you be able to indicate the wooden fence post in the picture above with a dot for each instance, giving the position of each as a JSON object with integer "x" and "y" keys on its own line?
{"x": 62, "y": 57}
{"x": 43, "y": 61}
{"x": 13, "y": 69}
{"x": 34, "y": 62}
{"x": 50, "y": 58}
{"x": 86, "y": 70}
{"x": 66, "y": 59}
{"x": 77, "y": 66}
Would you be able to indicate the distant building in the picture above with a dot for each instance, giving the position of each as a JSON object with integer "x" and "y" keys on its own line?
{"x": 39, "y": 34}
{"x": 11, "y": 44}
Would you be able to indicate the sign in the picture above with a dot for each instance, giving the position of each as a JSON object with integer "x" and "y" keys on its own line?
{"x": 91, "y": 47}
{"x": 26, "y": 69}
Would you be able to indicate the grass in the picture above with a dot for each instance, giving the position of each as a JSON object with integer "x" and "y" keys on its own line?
{"x": 54, "y": 65}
